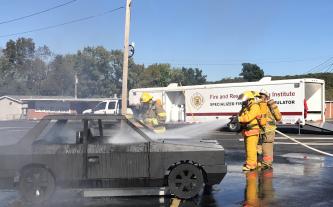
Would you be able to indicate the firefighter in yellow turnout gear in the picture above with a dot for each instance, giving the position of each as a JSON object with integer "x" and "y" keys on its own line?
{"x": 152, "y": 113}
{"x": 248, "y": 118}
{"x": 271, "y": 112}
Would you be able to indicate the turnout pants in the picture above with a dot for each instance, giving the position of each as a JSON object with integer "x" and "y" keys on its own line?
{"x": 251, "y": 150}
{"x": 267, "y": 147}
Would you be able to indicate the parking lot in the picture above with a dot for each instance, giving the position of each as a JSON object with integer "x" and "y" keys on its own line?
{"x": 299, "y": 178}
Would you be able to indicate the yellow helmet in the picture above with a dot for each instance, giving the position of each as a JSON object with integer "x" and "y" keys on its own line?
{"x": 146, "y": 97}
{"x": 247, "y": 95}
{"x": 256, "y": 93}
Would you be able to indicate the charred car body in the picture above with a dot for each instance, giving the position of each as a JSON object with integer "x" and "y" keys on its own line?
{"x": 103, "y": 151}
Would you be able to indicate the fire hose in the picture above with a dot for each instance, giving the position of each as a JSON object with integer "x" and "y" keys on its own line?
{"x": 305, "y": 145}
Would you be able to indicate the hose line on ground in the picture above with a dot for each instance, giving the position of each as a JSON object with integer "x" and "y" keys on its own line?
{"x": 305, "y": 145}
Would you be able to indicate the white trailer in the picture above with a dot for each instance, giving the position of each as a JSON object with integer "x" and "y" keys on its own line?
{"x": 201, "y": 103}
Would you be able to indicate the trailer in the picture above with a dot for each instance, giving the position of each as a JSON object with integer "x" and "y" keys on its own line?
{"x": 301, "y": 101}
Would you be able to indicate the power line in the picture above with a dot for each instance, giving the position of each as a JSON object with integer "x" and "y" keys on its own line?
{"x": 225, "y": 63}
{"x": 62, "y": 24}
{"x": 322, "y": 66}
{"x": 37, "y": 13}
{"x": 329, "y": 68}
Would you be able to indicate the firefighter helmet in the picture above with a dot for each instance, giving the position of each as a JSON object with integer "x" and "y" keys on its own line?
{"x": 264, "y": 92}
{"x": 146, "y": 97}
{"x": 256, "y": 93}
{"x": 247, "y": 95}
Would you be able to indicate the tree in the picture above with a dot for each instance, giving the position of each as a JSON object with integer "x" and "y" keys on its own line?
{"x": 193, "y": 76}
{"x": 60, "y": 78}
{"x": 18, "y": 66}
{"x": 251, "y": 72}
{"x": 135, "y": 75}
{"x": 44, "y": 53}
{"x": 28, "y": 69}
{"x": 157, "y": 75}
{"x": 99, "y": 71}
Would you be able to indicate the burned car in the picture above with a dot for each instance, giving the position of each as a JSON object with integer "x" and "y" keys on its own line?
{"x": 106, "y": 151}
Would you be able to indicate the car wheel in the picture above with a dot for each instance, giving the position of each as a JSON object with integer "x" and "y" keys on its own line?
{"x": 36, "y": 184}
{"x": 185, "y": 181}
{"x": 234, "y": 127}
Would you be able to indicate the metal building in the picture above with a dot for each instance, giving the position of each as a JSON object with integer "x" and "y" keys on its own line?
{"x": 36, "y": 107}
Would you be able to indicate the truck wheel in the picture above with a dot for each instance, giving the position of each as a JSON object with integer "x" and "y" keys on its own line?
{"x": 235, "y": 127}
{"x": 36, "y": 184}
{"x": 185, "y": 181}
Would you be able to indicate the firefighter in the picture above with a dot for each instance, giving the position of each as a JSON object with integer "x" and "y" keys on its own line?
{"x": 152, "y": 113}
{"x": 268, "y": 132}
{"x": 262, "y": 121}
{"x": 248, "y": 118}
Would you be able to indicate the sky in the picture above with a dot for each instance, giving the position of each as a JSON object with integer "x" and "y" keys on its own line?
{"x": 283, "y": 37}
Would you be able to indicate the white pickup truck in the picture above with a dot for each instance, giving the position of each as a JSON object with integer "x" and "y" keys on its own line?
{"x": 112, "y": 106}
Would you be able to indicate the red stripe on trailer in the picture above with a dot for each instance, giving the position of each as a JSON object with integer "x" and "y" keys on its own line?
{"x": 212, "y": 114}
{"x": 235, "y": 113}
{"x": 292, "y": 113}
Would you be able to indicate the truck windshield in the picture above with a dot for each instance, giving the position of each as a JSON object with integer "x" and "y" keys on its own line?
{"x": 100, "y": 106}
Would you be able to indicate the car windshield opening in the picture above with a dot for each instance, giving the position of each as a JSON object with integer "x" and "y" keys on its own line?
{"x": 100, "y": 106}
{"x": 113, "y": 133}
{"x": 60, "y": 132}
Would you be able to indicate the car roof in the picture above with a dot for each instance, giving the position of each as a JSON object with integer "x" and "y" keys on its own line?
{"x": 102, "y": 117}
{"x": 85, "y": 116}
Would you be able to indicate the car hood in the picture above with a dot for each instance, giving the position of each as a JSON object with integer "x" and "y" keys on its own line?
{"x": 193, "y": 143}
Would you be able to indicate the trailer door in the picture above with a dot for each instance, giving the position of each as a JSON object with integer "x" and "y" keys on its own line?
{"x": 314, "y": 98}
{"x": 175, "y": 106}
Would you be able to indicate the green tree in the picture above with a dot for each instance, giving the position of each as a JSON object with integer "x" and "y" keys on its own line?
{"x": 193, "y": 76}
{"x": 157, "y": 75}
{"x": 60, "y": 77}
{"x": 99, "y": 71}
{"x": 135, "y": 75}
{"x": 251, "y": 72}
{"x": 18, "y": 66}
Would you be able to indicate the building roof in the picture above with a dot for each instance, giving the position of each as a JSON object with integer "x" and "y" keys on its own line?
{"x": 20, "y": 99}
{"x": 11, "y": 98}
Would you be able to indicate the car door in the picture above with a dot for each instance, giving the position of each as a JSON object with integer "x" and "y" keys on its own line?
{"x": 117, "y": 154}
{"x": 59, "y": 148}
{"x": 111, "y": 107}
{"x": 100, "y": 108}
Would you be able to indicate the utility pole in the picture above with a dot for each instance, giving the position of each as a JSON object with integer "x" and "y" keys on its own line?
{"x": 125, "y": 60}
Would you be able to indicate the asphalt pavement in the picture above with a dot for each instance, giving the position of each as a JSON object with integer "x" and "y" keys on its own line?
{"x": 299, "y": 177}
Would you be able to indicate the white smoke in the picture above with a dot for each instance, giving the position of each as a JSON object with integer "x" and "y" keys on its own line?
{"x": 192, "y": 131}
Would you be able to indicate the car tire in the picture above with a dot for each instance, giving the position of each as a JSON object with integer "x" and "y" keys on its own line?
{"x": 185, "y": 181}
{"x": 36, "y": 184}
{"x": 234, "y": 127}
